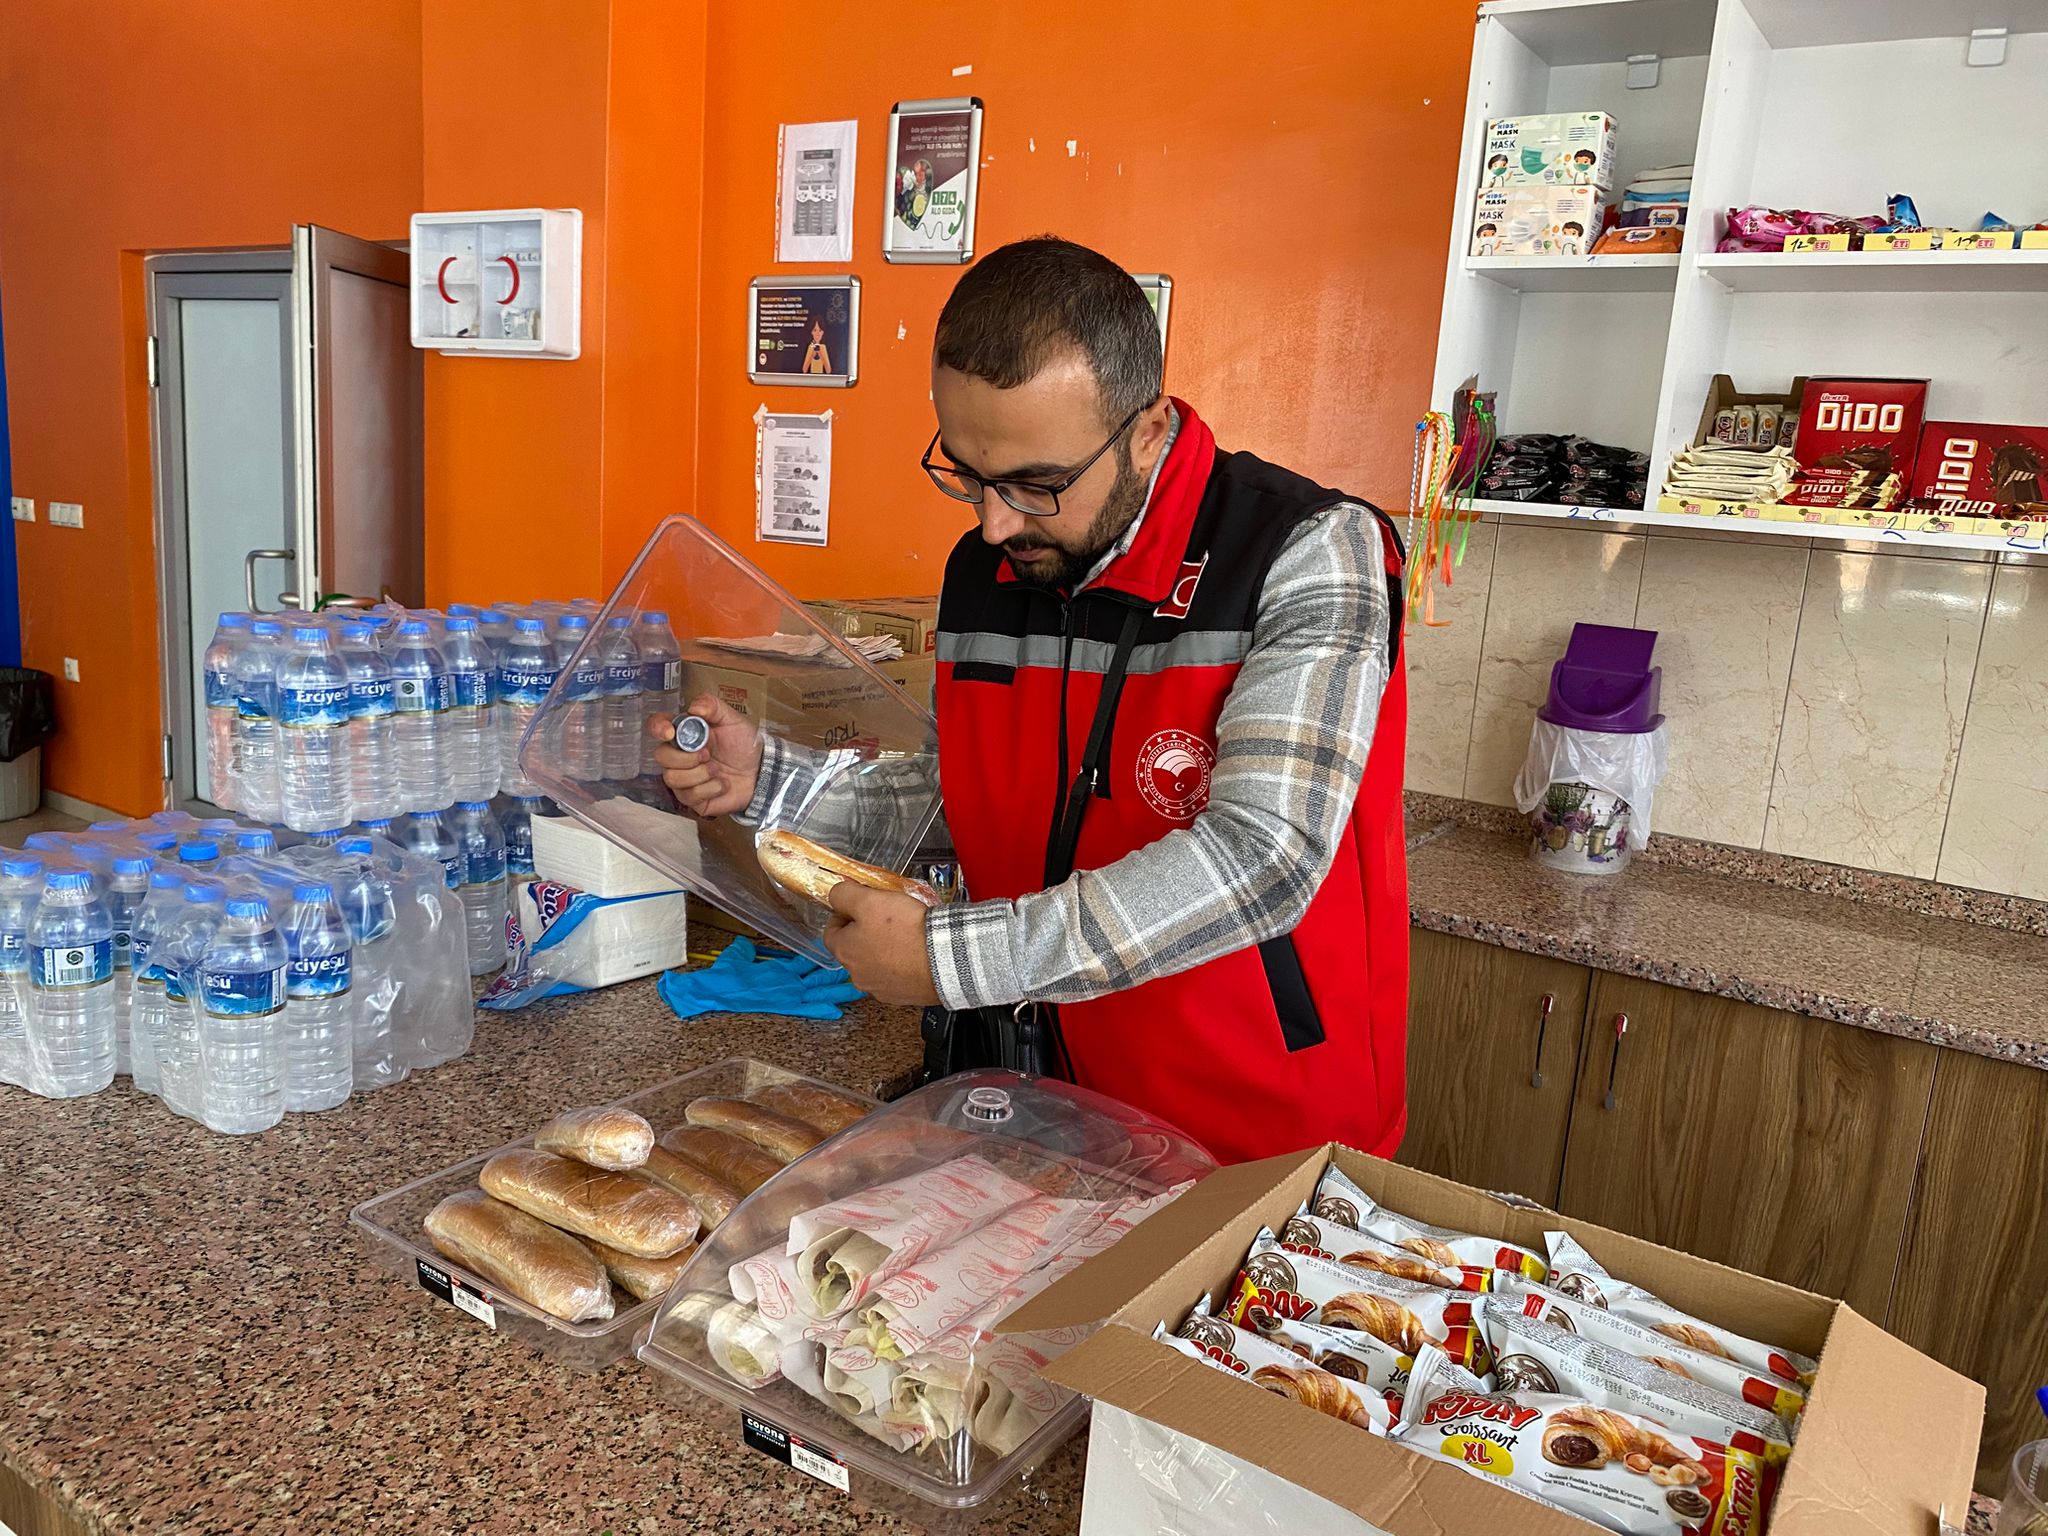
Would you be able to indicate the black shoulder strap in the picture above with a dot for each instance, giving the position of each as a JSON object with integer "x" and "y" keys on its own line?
{"x": 1059, "y": 853}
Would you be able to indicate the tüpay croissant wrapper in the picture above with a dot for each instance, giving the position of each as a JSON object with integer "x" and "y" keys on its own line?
{"x": 1339, "y": 1199}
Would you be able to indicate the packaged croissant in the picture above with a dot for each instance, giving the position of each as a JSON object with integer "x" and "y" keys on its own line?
{"x": 1279, "y": 1284}
{"x": 1240, "y": 1352}
{"x": 1305, "y": 1232}
{"x": 1577, "y": 1273}
{"x": 1339, "y": 1199}
{"x": 1612, "y": 1467}
{"x": 1776, "y": 1394}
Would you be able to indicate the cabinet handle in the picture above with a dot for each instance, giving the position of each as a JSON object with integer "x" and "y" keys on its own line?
{"x": 1542, "y": 1026}
{"x": 1620, "y": 1029}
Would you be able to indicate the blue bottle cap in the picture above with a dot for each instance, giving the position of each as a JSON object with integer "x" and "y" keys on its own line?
{"x": 312, "y": 890}
{"x": 491, "y": 616}
{"x": 20, "y": 867}
{"x": 234, "y": 621}
{"x": 654, "y": 616}
{"x": 619, "y": 621}
{"x": 472, "y": 805}
{"x": 249, "y": 906}
{"x": 462, "y": 626}
{"x": 257, "y": 839}
{"x": 198, "y": 850}
{"x": 378, "y": 822}
{"x": 574, "y": 621}
{"x": 133, "y": 866}
{"x": 462, "y": 610}
{"x": 529, "y": 626}
{"x": 67, "y": 880}
{"x": 412, "y": 628}
{"x": 158, "y": 842}
{"x": 308, "y": 634}
{"x": 205, "y": 891}
{"x": 266, "y": 627}
{"x": 354, "y": 845}
{"x": 165, "y": 879}
{"x": 108, "y": 826}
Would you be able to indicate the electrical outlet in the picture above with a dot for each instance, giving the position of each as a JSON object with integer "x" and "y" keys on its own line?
{"x": 70, "y": 669}
{"x": 24, "y": 509}
{"x": 67, "y": 514}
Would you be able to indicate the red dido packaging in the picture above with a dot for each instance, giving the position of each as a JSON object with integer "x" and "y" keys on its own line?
{"x": 1976, "y": 469}
{"x": 1857, "y": 441}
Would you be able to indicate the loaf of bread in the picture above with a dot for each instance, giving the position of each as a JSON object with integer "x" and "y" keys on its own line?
{"x": 811, "y": 870}
{"x": 824, "y": 1109}
{"x": 781, "y": 1136}
{"x": 628, "y": 1211}
{"x": 602, "y": 1137}
{"x": 714, "y": 1200}
{"x": 526, "y": 1257}
{"x": 732, "y": 1160}
{"x": 641, "y": 1278}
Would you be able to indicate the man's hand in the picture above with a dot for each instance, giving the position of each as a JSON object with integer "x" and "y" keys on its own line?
{"x": 879, "y": 937}
{"x": 719, "y": 779}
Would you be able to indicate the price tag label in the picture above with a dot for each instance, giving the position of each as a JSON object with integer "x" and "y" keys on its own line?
{"x": 778, "y": 1444}
{"x": 452, "y": 1289}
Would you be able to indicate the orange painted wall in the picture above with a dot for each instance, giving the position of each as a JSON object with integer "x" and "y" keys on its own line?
{"x": 1290, "y": 166}
{"x": 130, "y": 125}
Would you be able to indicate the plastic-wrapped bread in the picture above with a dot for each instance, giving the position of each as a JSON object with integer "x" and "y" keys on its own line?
{"x": 714, "y": 1201}
{"x": 822, "y": 1108}
{"x": 522, "y": 1254}
{"x": 602, "y": 1137}
{"x": 643, "y": 1278}
{"x": 781, "y": 1136}
{"x": 811, "y": 870}
{"x": 627, "y": 1211}
{"x": 732, "y": 1160}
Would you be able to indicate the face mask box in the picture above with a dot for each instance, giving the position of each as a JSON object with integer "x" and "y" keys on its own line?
{"x": 1537, "y": 221}
{"x": 1559, "y": 149}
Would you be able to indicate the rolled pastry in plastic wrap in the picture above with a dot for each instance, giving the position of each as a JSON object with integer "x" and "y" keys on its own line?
{"x": 1277, "y": 1369}
{"x": 1339, "y": 1199}
{"x": 1612, "y": 1467}
{"x": 1575, "y": 1272}
{"x": 623, "y": 1210}
{"x": 603, "y": 1137}
{"x": 1327, "y": 1239}
{"x": 1774, "y": 1394}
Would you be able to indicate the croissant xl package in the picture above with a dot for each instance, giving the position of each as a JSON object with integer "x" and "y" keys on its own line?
{"x": 1886, "y": 1442}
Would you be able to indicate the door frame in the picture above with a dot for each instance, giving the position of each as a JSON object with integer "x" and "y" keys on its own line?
{"x": 170, "y": 277}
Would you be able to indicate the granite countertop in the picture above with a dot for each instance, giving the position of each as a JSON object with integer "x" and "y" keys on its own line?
{"x": 1965, "y": 985}
{"x": 193, "y": 1337}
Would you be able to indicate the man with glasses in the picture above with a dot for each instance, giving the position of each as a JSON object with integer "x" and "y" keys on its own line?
{"x": 1171, "y": 729}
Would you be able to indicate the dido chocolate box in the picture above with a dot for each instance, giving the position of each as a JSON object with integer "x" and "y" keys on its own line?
{"x": 1857, "y": 441}
{"x": 1976, "y": 469}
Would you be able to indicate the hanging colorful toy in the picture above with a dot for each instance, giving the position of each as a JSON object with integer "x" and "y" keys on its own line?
{"x": 1448, "y": 459}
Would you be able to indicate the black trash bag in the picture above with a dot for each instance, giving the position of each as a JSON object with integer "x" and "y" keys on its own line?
{"x": 28, "y": 711}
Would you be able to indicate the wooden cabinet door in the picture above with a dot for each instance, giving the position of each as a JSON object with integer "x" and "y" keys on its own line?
{"x": 1773, "y": 1142}
{"x": 1477, "y": 1015}
{"x": 1969, "y": 1290}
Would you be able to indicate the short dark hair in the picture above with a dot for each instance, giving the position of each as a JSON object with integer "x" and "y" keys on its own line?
{"x": 1022, "y": 303}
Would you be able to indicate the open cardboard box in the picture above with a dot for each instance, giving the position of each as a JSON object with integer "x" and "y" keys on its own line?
{"x": 1887, "y": 1446}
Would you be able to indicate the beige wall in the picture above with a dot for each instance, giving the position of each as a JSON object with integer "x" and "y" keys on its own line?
{"x": 1887, "y": 710}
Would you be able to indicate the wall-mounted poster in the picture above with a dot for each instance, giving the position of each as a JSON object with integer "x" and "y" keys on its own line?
{"x": 814, "y": 191}
{"x": 793, "y": 478}
{"x": 934, "y": 180}
{"x": 1159, "y": 294}
{"x": 804, "y": 330}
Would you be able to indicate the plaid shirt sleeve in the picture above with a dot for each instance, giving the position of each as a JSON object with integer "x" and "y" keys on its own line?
{"x": 839, "y": 798}
{"x": 1290, "y": 752}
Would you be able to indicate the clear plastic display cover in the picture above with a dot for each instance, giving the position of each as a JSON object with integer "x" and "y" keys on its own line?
{"x": 855, "y": 762}
{"x": 853, "y": 1303}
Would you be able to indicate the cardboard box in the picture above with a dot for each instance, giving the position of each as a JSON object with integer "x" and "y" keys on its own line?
{"x": 1975, "y": 469}
{"x": 1556, "y": 149}
{"x": 913, "y": 621}
{"x": 1887, "y": 1445}
{"x": 1854, "y": 436}
{"x": 1537, "y": 221}
{"x": 812, "y": 702}
{"x": 1722, "y": 394}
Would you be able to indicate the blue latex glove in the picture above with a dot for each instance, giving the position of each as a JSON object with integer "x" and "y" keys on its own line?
{"x": 740, "y": 981}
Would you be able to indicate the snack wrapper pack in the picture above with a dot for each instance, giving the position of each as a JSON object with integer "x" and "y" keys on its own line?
{"x": 1280, "y": 1370}
{"x": 1577, "y": 1273}
{"x": 1339, "y": 1199}
{"x": 1325, "y": 1238}
{"x": 1603, "y": 1464}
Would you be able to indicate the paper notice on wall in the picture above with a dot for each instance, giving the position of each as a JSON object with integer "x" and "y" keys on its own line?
{"x": 814, "y": 191}
{"x": 793, "y": 477}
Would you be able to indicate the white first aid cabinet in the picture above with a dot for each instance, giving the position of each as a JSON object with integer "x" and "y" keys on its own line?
{"x": 504, "y": 282}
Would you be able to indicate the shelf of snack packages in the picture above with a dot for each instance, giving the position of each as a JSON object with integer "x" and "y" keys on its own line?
{"x": 2020, "y": 533}
{"x": 1972, "y": 269}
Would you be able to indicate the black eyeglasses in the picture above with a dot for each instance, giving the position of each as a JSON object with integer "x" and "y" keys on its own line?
{"x": 1034, "y": 498}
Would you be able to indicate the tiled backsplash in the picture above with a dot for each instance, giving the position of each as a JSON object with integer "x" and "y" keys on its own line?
{"x": 1882, "y": 709}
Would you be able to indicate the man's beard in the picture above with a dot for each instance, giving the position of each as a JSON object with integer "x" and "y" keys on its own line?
{"x": 1070, "y": 563}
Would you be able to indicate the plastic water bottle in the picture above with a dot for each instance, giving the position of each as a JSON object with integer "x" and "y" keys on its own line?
{"x": 373, "y": 768}
{"x": 371, "y": 912}
{"x": 428, "y": 834}
{"x": 526, "y": 671}
{"x": 583, "y": 700}
{"x": 620, "y": 755}
{"x": 318, "y": 1031}
{"x": 21, "y": 888}
{"x": 127, "y": 890}
{"x": 495, "y": 626}
{"x": 257, "y": 842}
{"x": 71, "y": 980}
{"x": 469, "y": 733}
{"x": 482, "y": 888}
{"x": 146, "y": 1009}
{"x": 326, "y": 837}
{"x": 376, "y": 826}
{"x": 198, "y": 854}
{"x": 177, "y": 952}
{"x": 419, "y": 688}
{"x": 313, "y": 765}
{"x": 241, "y": 1026}
{"x": 255, "y": 679}
{"x": 661, "y": 679}
{"x": 230, "y": 634}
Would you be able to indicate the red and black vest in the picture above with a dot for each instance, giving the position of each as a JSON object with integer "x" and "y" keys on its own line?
{"x": 1272, "y": 1047}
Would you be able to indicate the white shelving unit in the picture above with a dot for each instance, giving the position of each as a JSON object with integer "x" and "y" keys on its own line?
{"x": 1828, "y": 104}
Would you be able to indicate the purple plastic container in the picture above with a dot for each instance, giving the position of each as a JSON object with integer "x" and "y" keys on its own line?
{"x": 1604, "y": 682}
